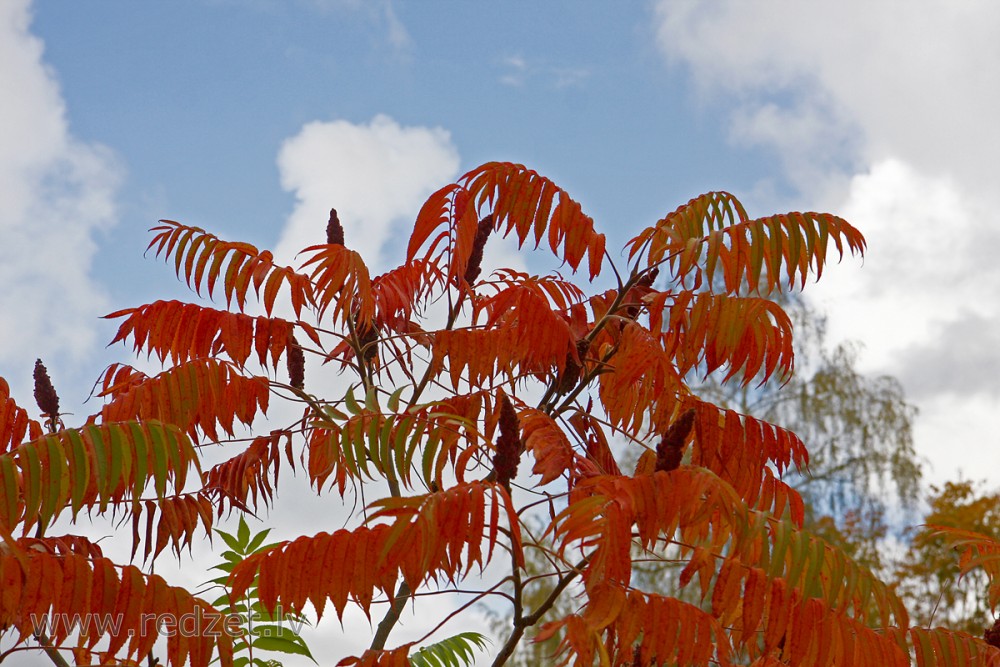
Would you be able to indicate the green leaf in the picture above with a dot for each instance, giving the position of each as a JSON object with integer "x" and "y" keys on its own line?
{"x": 255, "y": 543}
{"x": 243, "y": 535}
{"x": 120, "y": 460}
{"x": 451, "y": 652}
{"x": 10, "y": 494}
{"x": 394, "y": 399}
{"x": 334, "y": 415}
{"x": 371, "y": 400}
{"x": 81, "y": 469}
{"x": 427, "y": 460}
{"x": 100, "y": 456}
{"x": 283, "y": 645}
{"x": 352, "y": 403}
{"x": 273, "y": 631}
{"x": 57, "y": 471}
{"x": 276, "y": 632}
{"x": 374, "y": 451}
{"x": 230, "y": 540}
{"x": 159, "y": 461}
{"x": 32, "y": 481}
{"x": 141, "y": 459}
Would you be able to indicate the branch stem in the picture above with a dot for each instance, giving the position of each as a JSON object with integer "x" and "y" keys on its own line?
{"x": 522, "y": 623}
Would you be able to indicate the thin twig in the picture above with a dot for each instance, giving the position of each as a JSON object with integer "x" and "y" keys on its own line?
{"x": 522, "y": 623}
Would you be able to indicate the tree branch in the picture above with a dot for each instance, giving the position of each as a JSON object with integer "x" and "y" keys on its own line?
{"x": 522, "y": 623}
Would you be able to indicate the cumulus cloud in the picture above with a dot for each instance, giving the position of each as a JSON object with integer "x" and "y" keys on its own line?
{"x": 886, "y": 118}
{"x": 376, "y": 175}
{"x": 58, "y": 193}
{"x": 924, "y": 235}
{"x": 914, "y": 84}
{"x": 966, "y": 366}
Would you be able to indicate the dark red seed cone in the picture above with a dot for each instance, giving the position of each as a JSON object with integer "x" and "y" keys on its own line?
{"x": 642, "y": 287}
{"x": 334, "y": 230}
{"x": 508, "y": 451}
{"x": 570, "y": 375}
{"x": 670, "y": 450}
{"x": 474, "y": 267}
{"x": 992, "y": 634}
{"x": 45, "y": 393}
{"x": 648, "y": 279}
{"x": 295, "y": 361}
{"x": 572, "y": 370}
{"x": 367, "y": 340}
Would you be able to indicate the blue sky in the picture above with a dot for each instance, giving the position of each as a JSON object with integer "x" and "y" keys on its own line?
{"x": 253, "y": 117}
{"x": 196, "y": 98}
{"x": 189, "y": 104}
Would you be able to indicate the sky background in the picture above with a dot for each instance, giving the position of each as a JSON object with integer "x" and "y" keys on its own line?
{"x": 253, "y": 117}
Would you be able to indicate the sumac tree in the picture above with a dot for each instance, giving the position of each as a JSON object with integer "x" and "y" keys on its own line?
{"x": 477, "y": 403}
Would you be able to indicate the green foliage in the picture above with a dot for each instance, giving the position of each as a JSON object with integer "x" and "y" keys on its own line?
{"x": 859, "y": 533}
{"x": 262, "y": 631}
{"x": 456, "y": 651}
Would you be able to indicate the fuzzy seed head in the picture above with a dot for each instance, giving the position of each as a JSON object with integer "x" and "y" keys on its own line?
{"x": 670, "y": 449}
{"x": 474, "y": 268}
{"x": 508, "y": 450}
{"x": 572, "y": 369}
{"x": 368, "y": 340}
{"x": 334, "y": 230}
{"x": 992, "y": 634}
{"x": 295, "y": 361}
{"x": 45, "y": 393}
{"x": 648, "y": 279}
{"x": 642, "y": 287}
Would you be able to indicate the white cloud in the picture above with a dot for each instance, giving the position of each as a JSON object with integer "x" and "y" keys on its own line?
{"x": 923, "y": 234}
{"x": 516, "y": 62}
{"x": 376, "y": 175}
{"x": 886, "y": 117}
{"x": 918, "y": 84}
{"x": 518, "y": 71}
{"x": 57, "y": 192}
{"x": 382, "y": 14}
{"x": 967, "y": 365}
{"x": 398, "y": 36}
